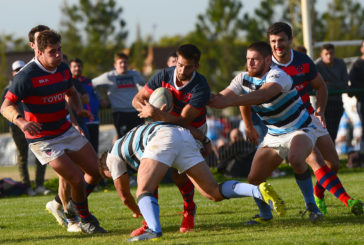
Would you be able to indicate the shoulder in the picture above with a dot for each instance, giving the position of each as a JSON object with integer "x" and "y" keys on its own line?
{"x": 277, "y": 74}
{"x": 301, "y": 57}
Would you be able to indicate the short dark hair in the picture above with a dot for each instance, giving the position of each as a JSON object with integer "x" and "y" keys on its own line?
{"x": 76, "y": 60}
{"x": 189, "y": 52}
{"x": 261, "y": 47}
{"x": 173, "y": 54}
{"x": 36, "y": 29}
{"x": 47, "y": 37}
{"x": 279, "y": 27}
{"x": 118, "y": 56}
{"x": 328, "y": 46}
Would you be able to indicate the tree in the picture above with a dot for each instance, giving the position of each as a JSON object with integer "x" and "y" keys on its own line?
{"x": 93, "y": 31}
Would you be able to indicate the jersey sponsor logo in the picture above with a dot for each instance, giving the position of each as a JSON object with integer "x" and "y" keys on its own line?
{"x": 50, "y": 79}
{"x": 54, "y": 98}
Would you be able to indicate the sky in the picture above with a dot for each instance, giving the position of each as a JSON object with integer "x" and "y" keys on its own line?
{"x": 157, "y": 17}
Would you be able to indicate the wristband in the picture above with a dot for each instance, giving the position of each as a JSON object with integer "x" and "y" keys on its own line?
{"x": 206, "y": 140}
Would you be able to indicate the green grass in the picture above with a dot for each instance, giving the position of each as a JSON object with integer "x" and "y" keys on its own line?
{"x": 23, "y": 220}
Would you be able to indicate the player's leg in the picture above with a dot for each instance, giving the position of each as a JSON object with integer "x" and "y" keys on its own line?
{"x": 187, "y": 191}
{"x": 150, "y": 174}
{"x": 260, "y": 170}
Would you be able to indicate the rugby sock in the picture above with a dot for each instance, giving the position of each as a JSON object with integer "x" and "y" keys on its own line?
{"x": 329, "y": 180}
{"x": 58, "y": 199}
{"x": 318, "y": 190}
{"x": 188, "y": 192}
{"x": 82, "y": 209}
{"x": 89, "y": 188}
{"x": 304, "y": 181}
{"x": 233, "y": 189}
{"x": 149, "y": 208}
{"x": 264, "y": 209}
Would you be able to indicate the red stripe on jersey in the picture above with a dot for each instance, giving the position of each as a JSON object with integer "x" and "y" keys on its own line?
{"x": 301, "y": 86}
{"x": 45, "y": 133}
{"x": 45, "y": 117}
{"x": 49, "y": 79}
{"x": 45, "y": 100}
{"x": 149, "y": 90}
{"x": 179, "y": 95}
{"x": 12, "y": 97}
{"x": 126, "y": 86}
{"x": 296, "y": 70}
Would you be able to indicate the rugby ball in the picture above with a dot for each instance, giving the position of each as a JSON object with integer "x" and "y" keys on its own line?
{"x": 161, "y": 96}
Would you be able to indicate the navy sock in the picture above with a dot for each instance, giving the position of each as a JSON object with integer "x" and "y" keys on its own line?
{"x": 304, "y": 181}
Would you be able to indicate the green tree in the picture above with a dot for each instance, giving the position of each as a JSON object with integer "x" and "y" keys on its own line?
{"x": 93, "y": 31}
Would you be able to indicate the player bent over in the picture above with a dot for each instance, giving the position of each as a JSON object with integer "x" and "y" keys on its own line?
{"x": 153, "y": 148}
{"x": 43, "y": 86}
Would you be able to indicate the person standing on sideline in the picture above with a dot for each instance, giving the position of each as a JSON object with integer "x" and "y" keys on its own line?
{"x": 22, "y": 148}
{"x": 43, "y": 86}
{"x": 122, "y": 85}
{"x": 333, "y": 71}
{"x": 172, "y": 60}
{"x": 190, "y": 92}
{"x": 76, "y": 67}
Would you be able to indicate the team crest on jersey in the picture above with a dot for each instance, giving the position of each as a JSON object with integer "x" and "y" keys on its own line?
{"x": 186, "y": 97}
{"x": 299, "y": 68}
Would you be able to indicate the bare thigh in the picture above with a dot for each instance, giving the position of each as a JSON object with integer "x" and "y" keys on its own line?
{"x": 204, "y": 181}
{"x": 264, "y": 162}
{"x": 86, "y": 159}
{"x": 150, "y": 174}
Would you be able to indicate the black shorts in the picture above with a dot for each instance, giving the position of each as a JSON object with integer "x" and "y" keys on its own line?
{"x": 125, "y": 121}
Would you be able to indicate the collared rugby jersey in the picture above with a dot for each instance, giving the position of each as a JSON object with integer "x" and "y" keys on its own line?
{"x": 43, "y": 96}
{"x": 196, "y": 93}
{"x": 281, "y": 114}
{"x": 302, "y": 70}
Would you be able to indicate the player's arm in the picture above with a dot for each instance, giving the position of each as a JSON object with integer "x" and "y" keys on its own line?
{"x": 74, "y": 101}
{"x": 139, "y": 98}
{"x": 250, "y": 132}
{"x": 11, "y": 112}
{"x": 122, "y": 187}
{"x": 228, "y": 98}
{"x": 321, "y": 97}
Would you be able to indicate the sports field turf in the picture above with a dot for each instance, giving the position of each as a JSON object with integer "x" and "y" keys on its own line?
{"x": 24, "y": 220}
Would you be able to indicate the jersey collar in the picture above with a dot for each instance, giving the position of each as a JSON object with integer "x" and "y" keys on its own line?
{"x": 281, "y": 64}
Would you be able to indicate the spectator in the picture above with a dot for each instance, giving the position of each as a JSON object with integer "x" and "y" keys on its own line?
{"x": 301, "y": 49}
{"x": 122, "y": 85}
{"x": 172, "y": 59}
{"x": 76, "y": 66}
{"x": 22, "y": 148}
{"x": 333, "y": 71}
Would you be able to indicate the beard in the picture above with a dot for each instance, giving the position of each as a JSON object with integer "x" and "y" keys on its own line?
{"x": 183, "y": 77}
{"x": 256, "y": 73}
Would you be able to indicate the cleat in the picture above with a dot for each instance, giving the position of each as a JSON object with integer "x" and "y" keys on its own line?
{"x": 147, "y": 235}
{"x": 321, "y": 204}
{"x": 139, "y": 230}
{"x": 74, "y": 226}
{"x": 315, "y": 213}
{"x": 188, "y": 221}
{"x": 272, "y": 199}
{"x": 355, "y": 206}
{"x": 56, "y": 210}
{"x": 41, "y": 190}
{"x": 257, "y": 220}
{"x": 91, "y": 225}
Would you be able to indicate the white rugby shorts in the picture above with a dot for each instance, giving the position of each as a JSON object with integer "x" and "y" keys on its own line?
{"x": 320, "y": 130}
{"x": 49, "y": 150}
{"x": 281, "y": 143}
{"x": 175, "y": 147}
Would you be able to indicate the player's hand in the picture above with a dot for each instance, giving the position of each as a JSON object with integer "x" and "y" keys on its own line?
{"x": 252, "y": 135}
{"x": 321, "y": 117}
{"x": 33, "y": 128}
{"x": 79, "y": 129}
{"x": 146, "y": 110}
{"x": 85, "y": 113}
{"x": 137, "y": 215}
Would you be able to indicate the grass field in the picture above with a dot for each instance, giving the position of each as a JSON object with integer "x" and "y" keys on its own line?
{"x": 24, "y": 220}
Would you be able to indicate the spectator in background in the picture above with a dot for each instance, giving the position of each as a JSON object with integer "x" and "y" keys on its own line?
{"x": 76, "y": 66}
{"x": 172, "y": 59}
{"x": 22, "y": 148}
{"x": 122, "y": 85}
{"x": 333, "y": 71}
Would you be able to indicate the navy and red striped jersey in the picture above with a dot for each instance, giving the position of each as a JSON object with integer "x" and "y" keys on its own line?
{"x": 196, "y": 93}
{"x": 302, "y": 70}
{"x": 43, "y": 96}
